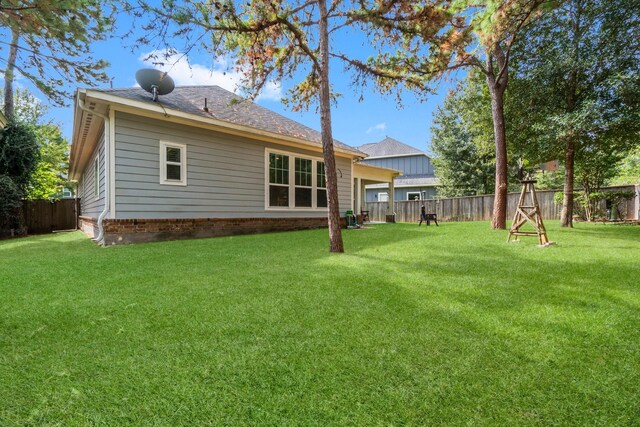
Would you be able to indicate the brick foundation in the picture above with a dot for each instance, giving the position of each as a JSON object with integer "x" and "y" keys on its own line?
{"x": 123, "y": 231}
{"x": 88, "y": 226}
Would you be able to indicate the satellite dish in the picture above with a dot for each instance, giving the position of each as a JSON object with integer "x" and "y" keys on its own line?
{"x": 155, "y": 82}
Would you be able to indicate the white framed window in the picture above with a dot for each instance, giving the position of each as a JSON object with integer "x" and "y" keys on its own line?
{"x": 278, "y": 180}
{"x": 294, "y": 181}
{"x": 383, "y": 197}
{"x": 173, "y": 163}
{"x": 96, "y": 177}
{"x": 413, "y": 195}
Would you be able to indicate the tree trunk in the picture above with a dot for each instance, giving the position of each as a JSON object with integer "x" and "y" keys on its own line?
{"x": 566, "y": 216}
{"x": 9, "y": 74}
{"x": 500, "y": 136}
{"x": 335, "y": 226}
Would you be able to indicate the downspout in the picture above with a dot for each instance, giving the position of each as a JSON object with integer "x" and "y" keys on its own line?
{"x": 100, "y": 238}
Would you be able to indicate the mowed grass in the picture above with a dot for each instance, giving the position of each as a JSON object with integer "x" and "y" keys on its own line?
{"x": 444, "y": 325}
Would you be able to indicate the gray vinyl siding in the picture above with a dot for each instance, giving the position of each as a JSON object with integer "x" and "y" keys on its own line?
{"x": 225, "y": 174}
{"x": 408, "y": 165}
{"x": 89, "y": 204}
{"x": 400, "y": 193}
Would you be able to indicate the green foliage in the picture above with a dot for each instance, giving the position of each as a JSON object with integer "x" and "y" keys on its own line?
{"x": 628, "y": 171}
{"x": 463, "y": 140}
{"x": 557, "y": 197}
{"x": 550, "y": 180}
{"x": 50, "y": 174}
{"x": 55, "y": 38}
{"x": 464, "y": 160}
{"x": 591, "y": 205}
{"x": 10, "y": 204}
{"x": 18, "y": 153}
{"x": 578, "y": 79}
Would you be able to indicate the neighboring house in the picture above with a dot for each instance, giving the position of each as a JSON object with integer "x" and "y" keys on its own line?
{"x": 3, "y": 120}
{"x": 200, "y": 162}
{"x": 418, "y": 180}
{"x": 65, "y": 193}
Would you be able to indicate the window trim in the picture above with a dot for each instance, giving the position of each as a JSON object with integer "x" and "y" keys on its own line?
{"x": 162, "y": 169}
{"x": 414, "y": 192}
{"x": 291, "y": 185}
{"x": 96, "y": 177}
{"x": 386, "y": 194}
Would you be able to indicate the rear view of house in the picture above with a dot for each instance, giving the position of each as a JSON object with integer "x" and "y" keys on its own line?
{"x": 199, "y": 162}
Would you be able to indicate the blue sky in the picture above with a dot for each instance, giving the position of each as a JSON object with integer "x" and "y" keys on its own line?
{"x": 356, "y": 121}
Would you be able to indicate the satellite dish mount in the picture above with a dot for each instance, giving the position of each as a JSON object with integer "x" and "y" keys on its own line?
{"x": 155, "y": 82}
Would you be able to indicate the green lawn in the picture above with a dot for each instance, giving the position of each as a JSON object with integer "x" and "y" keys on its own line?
{"x": 412, "y": 326}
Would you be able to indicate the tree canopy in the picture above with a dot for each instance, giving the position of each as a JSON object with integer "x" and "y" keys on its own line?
{"x": 50, "y": 44}
{"x": 461, "y": 140}
{"x": 580, "y": 82}
{"x": 18, "y": 153}
{"x": 478, "y": 34}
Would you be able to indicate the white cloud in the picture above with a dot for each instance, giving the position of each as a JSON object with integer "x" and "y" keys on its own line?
{"x": 379, "y": 126}
{"x": 220, "y": 73}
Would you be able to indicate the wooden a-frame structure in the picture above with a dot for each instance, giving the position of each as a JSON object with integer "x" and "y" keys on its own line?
{"x": 528, "y": 211}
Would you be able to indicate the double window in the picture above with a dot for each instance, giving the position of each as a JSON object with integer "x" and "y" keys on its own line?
{"x": 173, "y": 163}
{"x": 295, "y": 182}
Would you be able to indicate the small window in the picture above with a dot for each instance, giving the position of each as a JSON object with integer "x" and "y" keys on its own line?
{"x": 321, "y": 186}
{"x": 96, "y": 177}
{"x": 383, "y": 197}
{"x": 413, "y": 195}
{"x": 173, "y": 165}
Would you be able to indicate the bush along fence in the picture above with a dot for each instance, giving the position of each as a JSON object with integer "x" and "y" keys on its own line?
{"x": 480, "y": 208}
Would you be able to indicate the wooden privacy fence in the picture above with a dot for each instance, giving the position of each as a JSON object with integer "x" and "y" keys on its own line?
{"x": 44, "y": 216}
{"x": 480, "y": 208}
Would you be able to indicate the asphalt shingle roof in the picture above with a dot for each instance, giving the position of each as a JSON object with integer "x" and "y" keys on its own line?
{"x": 388, "y": 147}
{"x": 226, "y": 106}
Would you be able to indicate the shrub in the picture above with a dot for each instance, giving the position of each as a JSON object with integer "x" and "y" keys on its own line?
{"x": 589, "y": 206}
{"x": 10, "y": 206}
{"x": 18, "y": 153}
